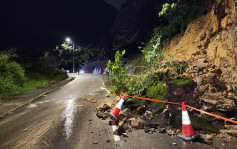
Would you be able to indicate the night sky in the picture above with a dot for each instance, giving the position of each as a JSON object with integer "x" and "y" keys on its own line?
{"x": 46, "y": 23}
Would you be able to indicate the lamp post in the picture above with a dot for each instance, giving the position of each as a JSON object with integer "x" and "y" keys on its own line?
{"x": 73, "y": 66}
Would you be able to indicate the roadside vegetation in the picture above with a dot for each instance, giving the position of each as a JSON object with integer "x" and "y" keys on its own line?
{"x": 151, "y": 82}
{"x": 159, "y": 71}
{"x": 15, "y": 79}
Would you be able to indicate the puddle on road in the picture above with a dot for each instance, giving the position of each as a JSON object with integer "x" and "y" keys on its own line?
{"x": 68, "y": 117}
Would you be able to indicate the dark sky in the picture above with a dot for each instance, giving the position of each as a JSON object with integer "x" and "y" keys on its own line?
{"x": 45, "y": 23}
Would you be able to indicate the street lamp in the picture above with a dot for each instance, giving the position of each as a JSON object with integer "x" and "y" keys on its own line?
{"x": 69, "y": 40}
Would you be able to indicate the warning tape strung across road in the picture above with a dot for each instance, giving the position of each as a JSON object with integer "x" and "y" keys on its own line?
{"x": 217, "y": 116}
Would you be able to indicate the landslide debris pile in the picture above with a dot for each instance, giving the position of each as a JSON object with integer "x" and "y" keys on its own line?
{"x": 167, "y": 120}
{"x": 141, "y": 118}
{"x": 209, "y": 47}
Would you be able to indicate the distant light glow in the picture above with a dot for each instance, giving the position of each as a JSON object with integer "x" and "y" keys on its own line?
{"x": 68, "y": 39}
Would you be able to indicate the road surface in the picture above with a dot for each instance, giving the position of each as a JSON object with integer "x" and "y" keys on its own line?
{"x": 63, "y": 120}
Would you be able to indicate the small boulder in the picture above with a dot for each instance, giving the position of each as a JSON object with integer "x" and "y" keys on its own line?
{"x": 125, "y": 113}
{"x": 141, "y": 110}
{"x": 91, "y": 100}
{"x": 148, "y": 115}
{"x": 119, "y": 131}
{"x": 136, "y": 123}
{"x": 103, "y": 107}
{"x": 102, "y": 115}
{"x": 225, "y": 105}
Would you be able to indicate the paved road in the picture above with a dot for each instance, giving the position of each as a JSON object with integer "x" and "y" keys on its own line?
{"x": 58, "y": 121}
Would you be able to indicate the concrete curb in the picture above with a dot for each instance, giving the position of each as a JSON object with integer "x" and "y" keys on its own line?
{"x": 61, "y": 83}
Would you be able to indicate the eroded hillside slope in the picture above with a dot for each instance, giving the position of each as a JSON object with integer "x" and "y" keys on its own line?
{"x": 209, "y": 47}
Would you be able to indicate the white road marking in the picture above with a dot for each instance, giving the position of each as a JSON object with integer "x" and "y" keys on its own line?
{"x": 116, "y": 137}
{"x": 103, "y": 88}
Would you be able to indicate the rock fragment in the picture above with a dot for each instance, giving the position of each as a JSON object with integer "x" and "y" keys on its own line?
{"x": 148, "y": 115}
{"x": 91, "y": 100}
{"x": 136, "y": 123}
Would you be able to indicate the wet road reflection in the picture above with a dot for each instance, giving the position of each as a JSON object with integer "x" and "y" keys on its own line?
{"x": 68, "y": 117}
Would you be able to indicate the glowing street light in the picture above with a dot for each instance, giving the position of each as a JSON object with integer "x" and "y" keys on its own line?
{"x": 69, "y": 40}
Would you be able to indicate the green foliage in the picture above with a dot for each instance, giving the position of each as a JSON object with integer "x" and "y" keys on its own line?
{"x": 181, "y": 81}
{"x": 166, "y": 7}
{"x": 136, "y": 85}
{"x": 153, "y": 48}
{"x": 35, "y": 80}
{"x": 82, "y": 55}
{"x": 180, "y": 67}
{"x": 13, "y": 80}
{"x": 11, "y": 75}
{"x": 158, "y": 90}
{"x": 118, "y": 83}
{"x": 175, "y": 22}
{"x": 179, "y": 18}
{"x": 200, "y": 123}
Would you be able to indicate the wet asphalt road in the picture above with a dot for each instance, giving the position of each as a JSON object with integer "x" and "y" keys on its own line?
{"x": 57, "y": 121}
{"x": 63, "y": 120}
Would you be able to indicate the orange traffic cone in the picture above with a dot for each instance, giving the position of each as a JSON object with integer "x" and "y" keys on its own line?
{"x": 188, "y": 133}
{"x": 114, "y": 95}
{"x": 115, "y": 112}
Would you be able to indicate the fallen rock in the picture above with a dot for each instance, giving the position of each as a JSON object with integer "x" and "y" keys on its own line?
{"x": 80, "y": 106}
{"x": 102, "y": 115}
{"x": 225, "y": 105}
{"x": 119, "y": 131}
{"x": 203, "y": 88}
{"x": 220, "y": 84}
{"x": 91, "y": 100}
{"x": 103, "y": 107}
{"x": 147, "y": 129}
{"x": 199, "y": 64}
{"x": 121, "y": 122}
{"x": 199, "y": 81}
{"x": 230, "y": 95}
{"x": 231, "y": 131}
{"x": 141, "y": 110}
{"x": 136, "y": 123}
{"x": 171, "y": 131}
{"x": 125, "y": 135}
{"x": 174, "y": 143}
{"x": 161, "y": 129}
{"x": 125, "y": 113}
{"x": 129, "y": 129}
{"x": 208, "y": 136}
{"x": 148, "y": 115}
{"x": 210, "y": 77}
{"x": 211, "y": 98}
{"x": 107, "y": 95}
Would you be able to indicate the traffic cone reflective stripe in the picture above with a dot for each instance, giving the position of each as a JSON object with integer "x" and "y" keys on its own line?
{"x": 187, "y": 129}
{"x": 120, "y": 104}
{"x": 114, "y": 114}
